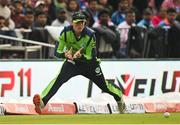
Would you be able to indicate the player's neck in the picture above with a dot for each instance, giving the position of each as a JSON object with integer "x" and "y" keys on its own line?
{"x": 78, "y": 34}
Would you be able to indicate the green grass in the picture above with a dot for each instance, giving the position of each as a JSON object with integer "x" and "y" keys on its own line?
{"x": 153, "y": 118}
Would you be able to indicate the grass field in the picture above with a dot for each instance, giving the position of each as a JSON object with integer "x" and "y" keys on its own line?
{"x": 153, "y": 118}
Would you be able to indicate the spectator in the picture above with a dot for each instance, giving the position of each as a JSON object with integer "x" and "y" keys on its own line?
{"x": 40, "y": 20}
{"x": 146, "y": 21}
{"x": 124, "y": 32}
{"x": 172, "y": 27}
{"x": 141, "y": 5}
{"x": 72, "y": 6}
{"x": 26, "y": 26}
{"x": 104, "y": 4}
{"x": 155, "y": 5}
{"x": 136, "y": 10}
{"x": 61, "y": 19}
{"x": 119, "y": 15}
{"x": 83, "y": 4}
{"x": 51, "y": 11}
{"x": 107, "y": 36}
{"x": 29, "y": 19}
{"x": 48, "y": 7}
{"x": 6, "y": 13}
{"x": 4, "y": 10}
{"x": 103, "y": 19}
{"x": 165, "y": 39}
{"x": 4, "y": 30}
{"x": 170, "y": 20}
{"x": 40, "y": 4}
{"x": 28, "y": 4}
{"x": 60, "y": 4}
{"x": 18, "y": 16}
{"x": 114, "y": 4}
{"x": 38, "y": 33}
{"x": 162, "y": 14}
{"x": 93, "y": 9}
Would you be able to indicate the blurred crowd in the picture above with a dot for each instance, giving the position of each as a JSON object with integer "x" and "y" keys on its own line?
{"x": 124, "y": 28}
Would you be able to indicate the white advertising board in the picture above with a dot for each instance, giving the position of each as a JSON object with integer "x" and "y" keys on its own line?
{"x": 23, "y": 79}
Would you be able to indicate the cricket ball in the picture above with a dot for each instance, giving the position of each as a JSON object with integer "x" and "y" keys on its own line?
{"x": 166, "y": 114}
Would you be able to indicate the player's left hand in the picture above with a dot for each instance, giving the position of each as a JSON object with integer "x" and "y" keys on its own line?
{"x": 78, "y": 54}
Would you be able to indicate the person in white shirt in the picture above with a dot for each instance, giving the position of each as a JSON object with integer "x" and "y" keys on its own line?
{"x": 6, "y": 13}
{"x": 61, "y": 19}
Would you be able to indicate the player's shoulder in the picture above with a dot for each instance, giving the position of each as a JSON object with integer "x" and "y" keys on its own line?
{"x": 66, "y": 29}
{"x": 89, "y": 31}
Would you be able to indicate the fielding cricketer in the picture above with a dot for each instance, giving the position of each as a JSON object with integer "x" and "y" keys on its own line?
{"x": 77, "y": 44}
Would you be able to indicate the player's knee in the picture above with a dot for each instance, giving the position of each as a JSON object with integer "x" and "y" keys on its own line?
{"x": 117, "y": 98}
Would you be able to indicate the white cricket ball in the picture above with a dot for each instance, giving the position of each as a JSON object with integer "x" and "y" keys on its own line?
{"x": 166, "y": 114}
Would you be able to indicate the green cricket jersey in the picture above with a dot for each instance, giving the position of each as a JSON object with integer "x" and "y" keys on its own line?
{"x": 68, "y": 40}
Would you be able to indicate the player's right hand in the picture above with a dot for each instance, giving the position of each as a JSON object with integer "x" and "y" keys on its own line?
{"x": 68, "y": 54}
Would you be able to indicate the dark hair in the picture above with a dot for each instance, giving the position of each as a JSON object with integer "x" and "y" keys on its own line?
{"x": 147, "y": 12}
{"x": 103, "y": 11}
{"x": 2, "y": 18}
{"x": 89, "y": 1}
{"x": 130, "y": 10}
{"x": 68, "y": 2}
{"x": 39, "y": 12}
{"x": 60, "y": 10}
{"x": 171, "y": 10}
{"x": 17, "y": 1}
{"x": 29, "y": 11}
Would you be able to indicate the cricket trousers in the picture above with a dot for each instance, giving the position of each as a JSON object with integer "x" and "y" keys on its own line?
{"x": 90, "y": 70}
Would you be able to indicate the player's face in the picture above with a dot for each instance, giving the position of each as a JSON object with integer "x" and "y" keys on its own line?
{"x": 79, "y": 26}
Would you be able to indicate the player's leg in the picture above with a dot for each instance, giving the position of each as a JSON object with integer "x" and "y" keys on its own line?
{"x": 68, "y": 70}
{"x": 95, "y": 74}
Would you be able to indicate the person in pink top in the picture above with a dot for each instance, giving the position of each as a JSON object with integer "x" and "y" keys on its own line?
{"x": 171, "y": 4}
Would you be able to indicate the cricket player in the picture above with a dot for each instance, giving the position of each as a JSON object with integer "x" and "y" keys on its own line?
{"x": 77, "y": 45}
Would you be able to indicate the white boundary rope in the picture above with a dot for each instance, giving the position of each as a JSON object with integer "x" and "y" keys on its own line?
{"x": 27, "y": 41}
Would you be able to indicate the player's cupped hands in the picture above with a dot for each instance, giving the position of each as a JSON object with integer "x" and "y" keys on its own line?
{"x": 68, "y": 54}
